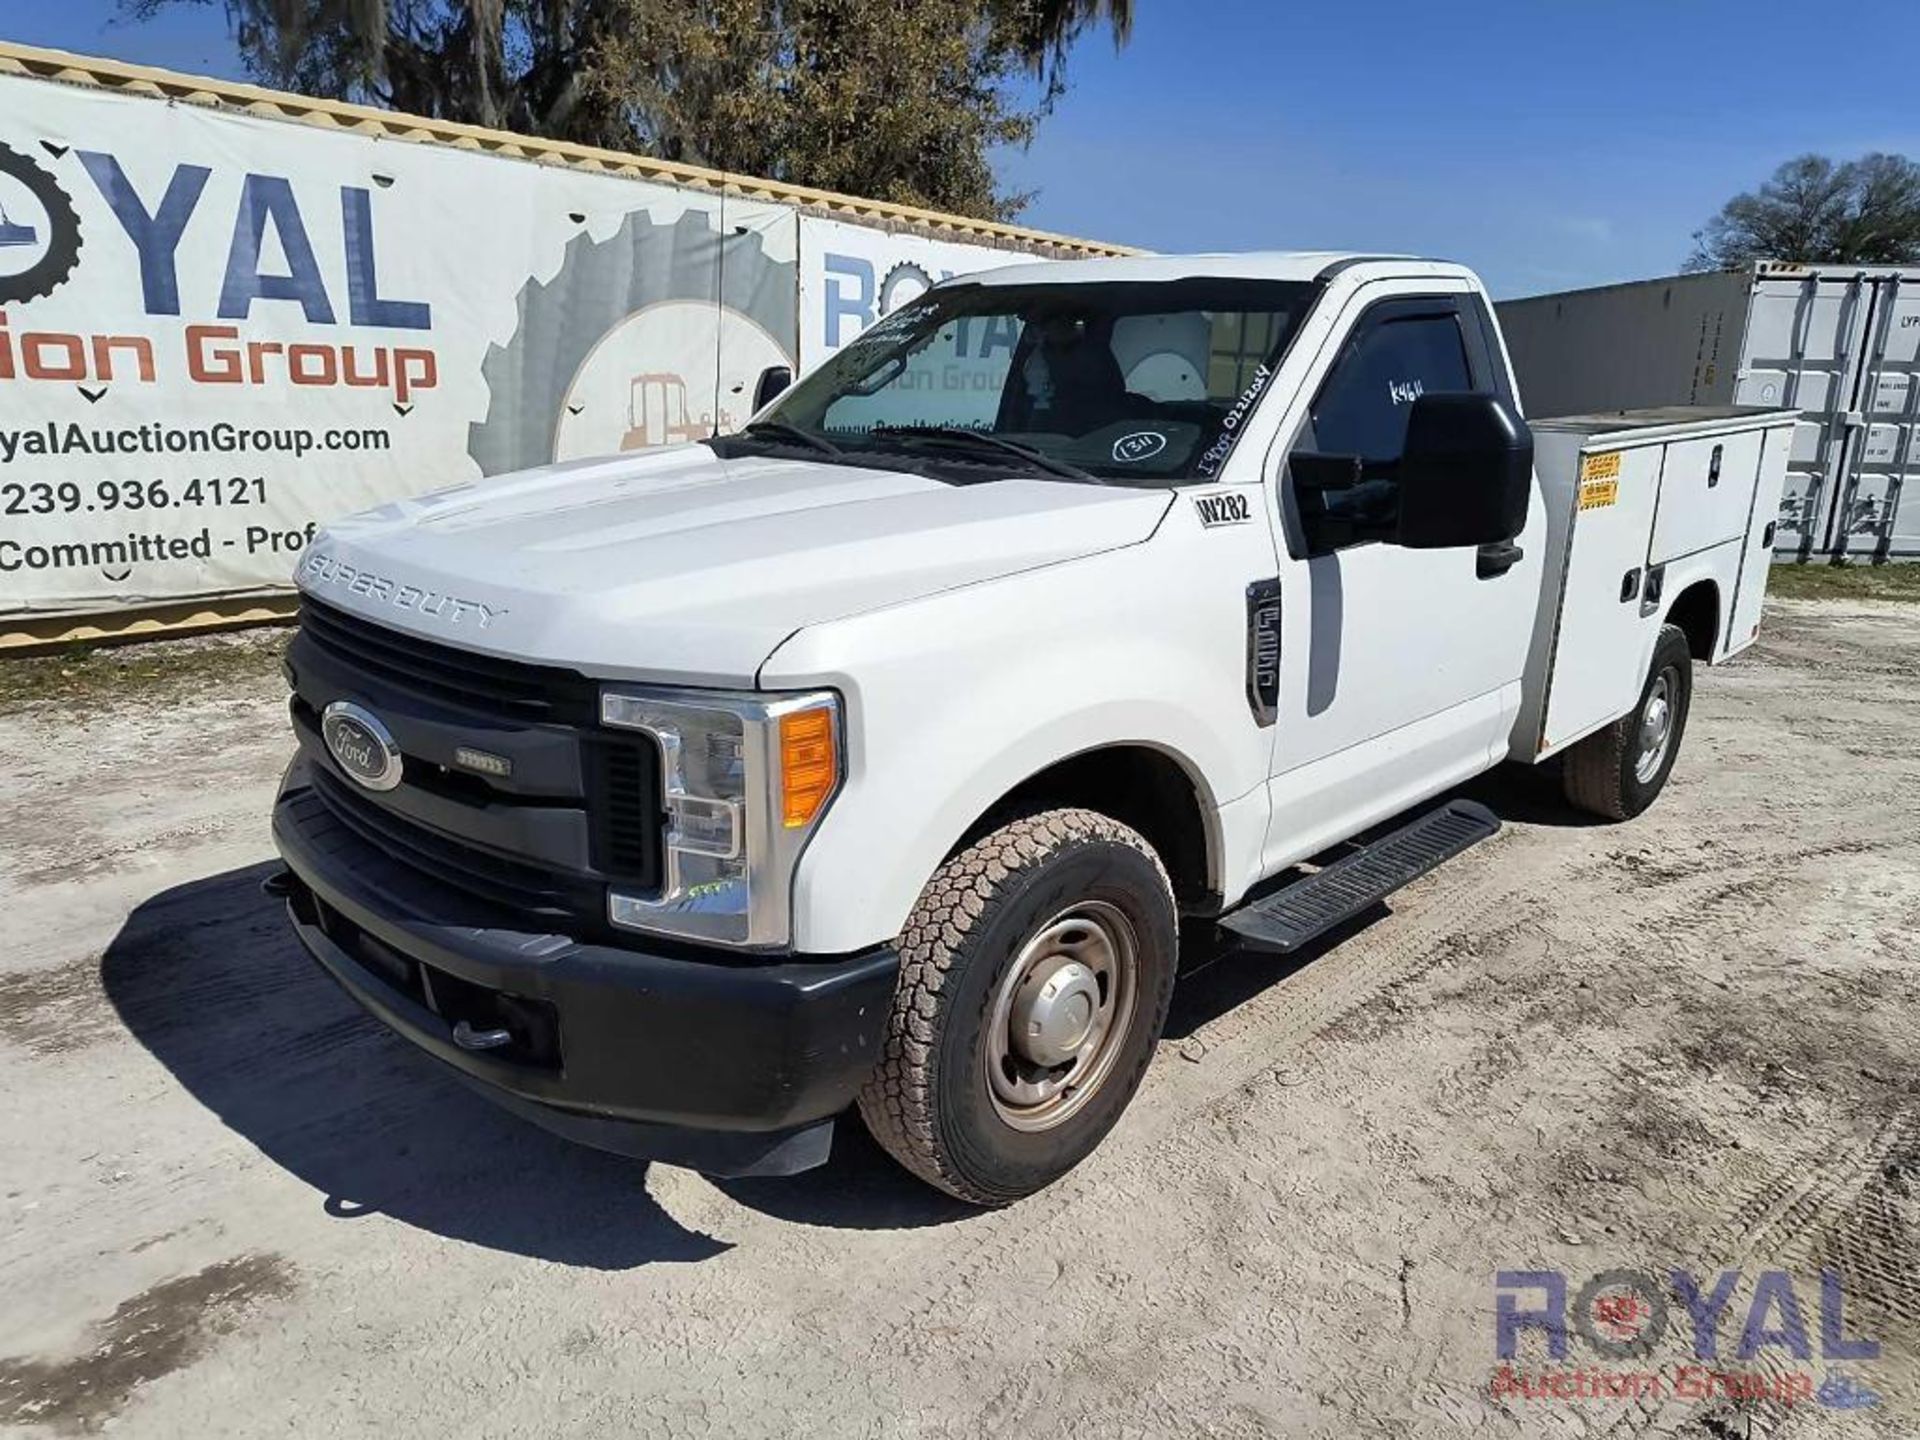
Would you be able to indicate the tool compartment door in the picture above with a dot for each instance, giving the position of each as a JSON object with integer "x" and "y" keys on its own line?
{"x": 1600, "y": 636}
{"x": 1768, "y": 484}
{"x": 1706, "y": 493}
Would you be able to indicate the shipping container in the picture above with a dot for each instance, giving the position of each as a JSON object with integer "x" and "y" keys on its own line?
{"x": 230, "y": 315}
{"x": 1838, "y": 343}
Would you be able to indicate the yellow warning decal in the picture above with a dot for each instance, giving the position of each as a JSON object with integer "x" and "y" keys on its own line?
{"x": 1604, "y": 466}
{"x": 1594, "y": 494}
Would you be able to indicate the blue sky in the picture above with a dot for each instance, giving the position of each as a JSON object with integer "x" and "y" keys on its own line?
{"x": 1547, "y": 143}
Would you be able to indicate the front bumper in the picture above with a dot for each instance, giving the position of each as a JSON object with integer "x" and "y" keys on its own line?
{"x": 728, "y": 1064}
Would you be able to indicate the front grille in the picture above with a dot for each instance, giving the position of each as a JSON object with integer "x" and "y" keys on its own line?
{"x": 538, "y": 717}
{"x": 530, "y": 890}
{"x": 512, "y": 689}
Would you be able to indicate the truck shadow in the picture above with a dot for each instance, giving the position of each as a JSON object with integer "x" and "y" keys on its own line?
{"x": 208, "y": 977}
{"x": 1527, "y": 795}
{"x": 1216, "y": 978}
{"x": 859, "y": 1188}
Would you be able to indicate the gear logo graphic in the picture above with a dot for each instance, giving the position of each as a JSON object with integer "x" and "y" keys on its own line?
{"x": 39, "y": 230}
{"x": 640, "y": 339}
{"x": 905, "y": 281}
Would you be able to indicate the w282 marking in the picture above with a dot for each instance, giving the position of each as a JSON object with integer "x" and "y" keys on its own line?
{"x": 1226, "y": 508}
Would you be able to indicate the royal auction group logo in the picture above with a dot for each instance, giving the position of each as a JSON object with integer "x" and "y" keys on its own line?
{"x": 39, "y": 230}
{"x": 1776, "y": 1339}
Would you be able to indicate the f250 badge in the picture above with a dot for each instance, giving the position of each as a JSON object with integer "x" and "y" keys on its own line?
{"x": 1225, "y": 508}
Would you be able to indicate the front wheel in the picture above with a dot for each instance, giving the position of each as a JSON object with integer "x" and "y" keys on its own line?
{"x": 1617, "y": 772}
{"x": 1035, "y": 974}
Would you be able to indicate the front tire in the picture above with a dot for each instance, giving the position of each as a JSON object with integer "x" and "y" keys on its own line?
{"x": 1035, "y": 974}
{"x": 1616, "y": 772}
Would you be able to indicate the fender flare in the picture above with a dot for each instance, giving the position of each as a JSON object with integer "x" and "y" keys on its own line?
{"x": 1682, "y": 576}
{"x": 890, "y": 887}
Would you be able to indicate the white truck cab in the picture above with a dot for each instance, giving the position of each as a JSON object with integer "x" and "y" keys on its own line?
{"x": 874, "y": 754}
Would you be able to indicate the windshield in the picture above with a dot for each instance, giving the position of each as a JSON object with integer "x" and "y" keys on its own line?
{"x": 1142, "y": 382}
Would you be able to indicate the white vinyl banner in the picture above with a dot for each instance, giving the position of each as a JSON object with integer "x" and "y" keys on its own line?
{"x": 218, "y": 331}
{"x": 851, "y": 276}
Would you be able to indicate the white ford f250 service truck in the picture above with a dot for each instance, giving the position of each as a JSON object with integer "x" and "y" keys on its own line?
{"x": 872, "y": 756}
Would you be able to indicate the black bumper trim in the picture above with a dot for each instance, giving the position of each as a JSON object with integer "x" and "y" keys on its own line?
{"x": 724, "y": 1061}
{"x": 729, "y": 1154}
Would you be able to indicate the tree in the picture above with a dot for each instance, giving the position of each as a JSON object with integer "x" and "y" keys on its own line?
{"x": 897, "y": 101}
{"x": 1047, "y": 29}
{"x": 517, "y": 65}
{"x": 902, "y": 102}
{"x": 1863, "y": 212}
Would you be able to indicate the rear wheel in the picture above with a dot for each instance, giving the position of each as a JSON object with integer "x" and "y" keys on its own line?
{"x": 1035, "y": 975}
{"x": 1617, "y": 772}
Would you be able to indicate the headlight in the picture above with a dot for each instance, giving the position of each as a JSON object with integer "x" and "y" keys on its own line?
{"x": 745, "y": 779}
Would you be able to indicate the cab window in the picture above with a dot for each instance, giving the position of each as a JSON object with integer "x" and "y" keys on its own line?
{"x": 1363, "y": 407}
{"x": 1341, "y": 468}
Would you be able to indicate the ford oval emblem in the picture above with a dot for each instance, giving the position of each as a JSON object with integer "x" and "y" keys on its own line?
{"x": 1141, "y": 445}
{"x": 361, "y": 745}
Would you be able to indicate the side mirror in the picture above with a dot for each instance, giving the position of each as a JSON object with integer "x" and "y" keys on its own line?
{"x": 1466, "y": 474}
{"x": 773, "y": 381}
{"x": 1339, "y": 503}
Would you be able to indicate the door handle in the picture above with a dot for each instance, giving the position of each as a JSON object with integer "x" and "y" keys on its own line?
{"x": 1492, "y": 560}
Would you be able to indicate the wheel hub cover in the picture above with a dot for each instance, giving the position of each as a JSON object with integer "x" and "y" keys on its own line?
{"x": 1053, "y": 1012}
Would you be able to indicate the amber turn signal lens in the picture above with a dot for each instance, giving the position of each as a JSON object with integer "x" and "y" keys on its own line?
{"x": 808, "y": 765}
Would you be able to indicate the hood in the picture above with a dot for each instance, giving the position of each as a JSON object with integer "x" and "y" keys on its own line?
{"x": 680, "y": 566}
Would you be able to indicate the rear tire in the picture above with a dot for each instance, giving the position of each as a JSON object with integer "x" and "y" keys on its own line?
{"x": 1035, "y": 974}
{"x": 1616, "y": 772}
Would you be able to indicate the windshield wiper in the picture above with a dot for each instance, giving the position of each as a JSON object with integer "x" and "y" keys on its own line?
{"x": 793, "y": 432}
{"x": 980, "y": 439}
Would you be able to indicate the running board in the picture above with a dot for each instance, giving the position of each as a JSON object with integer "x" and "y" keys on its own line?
{"x": 1289, "y": 918}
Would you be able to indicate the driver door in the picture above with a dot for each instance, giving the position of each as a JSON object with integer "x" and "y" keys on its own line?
{"x": 1400, "y": 668}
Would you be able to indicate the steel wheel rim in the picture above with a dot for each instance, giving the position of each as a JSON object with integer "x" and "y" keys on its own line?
{"x": 1061, "y": 1016}
{"x": 1656, "y": 726}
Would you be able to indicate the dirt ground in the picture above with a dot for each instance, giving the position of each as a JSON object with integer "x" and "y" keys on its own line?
{"x": 233, "y": 1206}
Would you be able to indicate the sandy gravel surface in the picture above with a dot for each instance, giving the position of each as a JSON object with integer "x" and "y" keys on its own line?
{"x": 233, "y": 1206}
